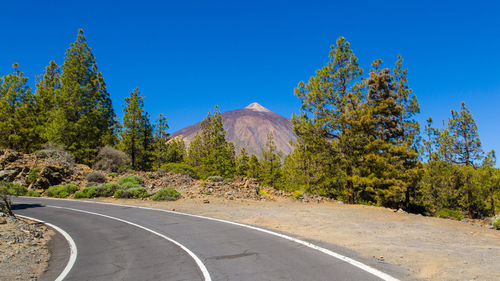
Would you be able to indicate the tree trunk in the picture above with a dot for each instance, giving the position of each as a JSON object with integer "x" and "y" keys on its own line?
{"x": 350, "y": 186}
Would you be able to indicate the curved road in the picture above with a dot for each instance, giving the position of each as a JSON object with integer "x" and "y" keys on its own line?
{"x": 118, "y": 242}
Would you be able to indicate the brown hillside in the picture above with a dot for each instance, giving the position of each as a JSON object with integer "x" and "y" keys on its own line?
{"x": 248, "y": 128}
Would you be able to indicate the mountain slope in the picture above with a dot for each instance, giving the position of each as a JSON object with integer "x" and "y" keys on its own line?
{"x": 248, "y": 128}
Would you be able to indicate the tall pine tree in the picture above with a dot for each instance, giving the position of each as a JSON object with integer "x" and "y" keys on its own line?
{"x": 17, "y": 118}
{"x": 83, "y": 119}
{"x": 333, "y": 98}
{"x": 271, "y": 162}
{"x": 137, "y": 133}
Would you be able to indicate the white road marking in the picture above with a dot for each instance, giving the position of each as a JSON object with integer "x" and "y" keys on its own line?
{"x": 72, "y": 247}
{"x": 199, "y": 263}
{"x": 360, "y": 265}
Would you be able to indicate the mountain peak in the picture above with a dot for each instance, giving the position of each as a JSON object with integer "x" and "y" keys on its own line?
{"x": 257, "y": 107}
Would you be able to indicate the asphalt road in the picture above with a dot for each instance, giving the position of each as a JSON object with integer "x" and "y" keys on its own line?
{"x": 127, "y": 243}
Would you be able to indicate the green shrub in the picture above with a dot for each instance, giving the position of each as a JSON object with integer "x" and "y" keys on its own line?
{"x": 87, "y": 192}
{"x": 151, "y": 176}
{"x": 32, "y": 193}
{"x": 108, "y": 189}
{"x": 79, "y": 194}
{"x": 33, "y": 175}
{"x": 61, "y": 191}
{"x": 118, "y": 193}
{"x": 134, "y": 192}
{"x": 112, "y": 175}
{"x": 10, "y": 188}
{"x": 496, "y": 223}
{"x": 297, "y": 194}
{"x": 215, "y": 178}
{"x": 130, "y": 181}
{"x": 180, "y": 168}
{"x": 449, "y": 214}
{"x": 263, "y": 193}
{"x": 168, "y": 194}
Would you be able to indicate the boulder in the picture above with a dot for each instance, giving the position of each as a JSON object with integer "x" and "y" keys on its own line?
{"x": 9, "y": 174}
{"x": 49, "y": 176}
{"x": 8, "y": 156}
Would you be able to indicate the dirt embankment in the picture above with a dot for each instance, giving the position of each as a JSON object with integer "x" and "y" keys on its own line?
{"x": 429, "y": 248}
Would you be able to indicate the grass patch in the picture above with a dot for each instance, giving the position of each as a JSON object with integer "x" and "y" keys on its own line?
{"x": 449, "y": 214}
{"x": 180, "y": 168}
{"x": 168, "y": 194}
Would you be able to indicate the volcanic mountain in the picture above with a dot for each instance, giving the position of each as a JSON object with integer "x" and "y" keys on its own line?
{"x": 248, "y": 128}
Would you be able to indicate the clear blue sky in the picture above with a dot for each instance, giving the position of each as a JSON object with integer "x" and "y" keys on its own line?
{"x": 187, "y": 56}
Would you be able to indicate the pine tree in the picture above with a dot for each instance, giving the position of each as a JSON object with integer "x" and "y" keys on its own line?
{"x": 466, "y": 145}
{"x": 242, "y": 163}
{"x": 391, "y": 155}
{"x": 160, "y": 141}
{"x": 175, "y": 151}
{"x": 46, "y": 88}
{"x": 254, "y": 167}
{"x": 146, "y": 158}
{"x": 271, "y": 162}
{"x": 83, "y": 119}
{"x": 408, "y": 104}
{"x": 210, "y": 151}
{"x": 136, "y": 137}
{"x": 334, "y": 97}
{"x": 309, "y": 167}
{"x": 490, "y": 179}
{"x": 17, "y": 119}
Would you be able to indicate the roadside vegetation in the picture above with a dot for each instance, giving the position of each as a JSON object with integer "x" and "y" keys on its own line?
{"x": 358, "y": 140}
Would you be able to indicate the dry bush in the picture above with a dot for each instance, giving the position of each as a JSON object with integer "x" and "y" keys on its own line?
{"x": 111, "y": 160}
{"x": 95, "y": 177}
{"x": 55, "y": 154}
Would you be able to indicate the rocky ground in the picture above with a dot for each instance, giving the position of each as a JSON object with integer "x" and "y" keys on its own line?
{"x": 23, "y": 249}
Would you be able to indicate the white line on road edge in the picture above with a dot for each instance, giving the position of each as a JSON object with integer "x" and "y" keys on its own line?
{"x": 72, "y": 247}
{"x": 353, "y": 262}
{"x": 200, "y": 264}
